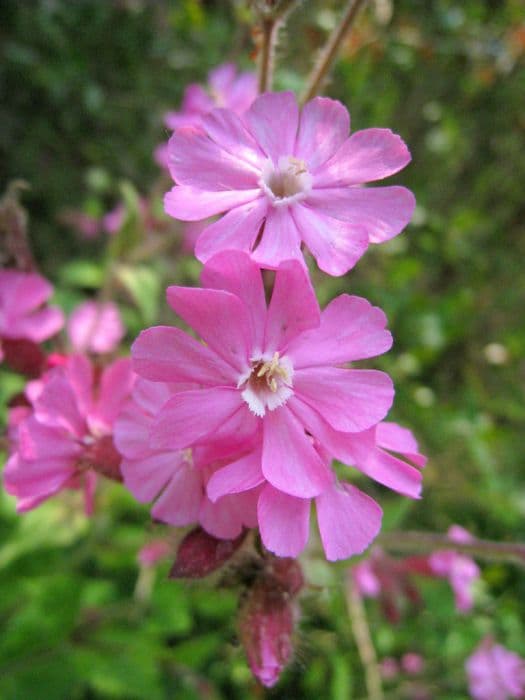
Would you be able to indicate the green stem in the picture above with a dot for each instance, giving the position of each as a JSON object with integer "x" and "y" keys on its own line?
{"x": 271, "y": 19}
{"x": 315, "y": 80}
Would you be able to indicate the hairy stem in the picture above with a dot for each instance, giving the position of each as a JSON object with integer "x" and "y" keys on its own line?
{"x": 414, "y": 542}
{"x": 271, "y": 19}
{"x": 315, "y": 80}
{"x": 363, "y": 640}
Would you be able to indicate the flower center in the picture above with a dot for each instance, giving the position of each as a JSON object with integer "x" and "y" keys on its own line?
{"x": 287, "y": 183}
{"x": 267, "y": 384}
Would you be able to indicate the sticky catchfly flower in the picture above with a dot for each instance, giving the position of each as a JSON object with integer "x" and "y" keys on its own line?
{"x": 285, "y": 178}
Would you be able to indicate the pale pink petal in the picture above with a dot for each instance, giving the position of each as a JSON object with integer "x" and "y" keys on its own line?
{"x": 220, "y": 318}
{"x": 79, "y": 371}
{"x": 193, "y": 416}
{"x": 235, "y": 272}
{"x": 222, "y": 77}
{"x": 32, "y": 489}
{"x": 280, "y": 240}
{"x": 283, "y": 522}
{"x": 273, "y": 120}
{"x": 236, "y": 230}
{"x": 115, "y": 386}
{"x": 39, "y": 442}
{"x": 289, "y": 461}
{"x": 368, "y": 155}
{"x": 37, "y": 326}
{"x": 146, "y": 477}
{"x": 382, "y": 212}
{"x": 293, "y": 307}
{"x": 222, "y": 519}
{"x": 348, "y": 521}
{"x": 242, "y": 475}
{"x": 227, "y": 130}
{"x": 167, "y": 354}
{"x": 350, "y": 400}
{"x": 180, "y": 501}
{"x": 95, "y": 327}
{"x": 242, "y": 92}
{"x": 196, "y": 160}
{"x": 391, "y": 436}
{"x": 193, "y": 204}
{"x": 131, "y": 433}
{"x": 57, "y": 405}
{"x": 324, "y": 125}
{"x": 21, "y": 292}
{"x": 336, "y": 245}
{"x": 350, "y": 329}
{"x": 151, "y": 396}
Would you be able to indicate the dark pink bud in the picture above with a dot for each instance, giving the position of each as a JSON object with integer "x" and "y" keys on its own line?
{"x": 288, "y": 573}
{"x": 24, "y": 356}
{"x": 200, "y": 554}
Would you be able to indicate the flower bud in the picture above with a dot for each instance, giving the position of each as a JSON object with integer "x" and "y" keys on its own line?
{"x": 200, "y": 554}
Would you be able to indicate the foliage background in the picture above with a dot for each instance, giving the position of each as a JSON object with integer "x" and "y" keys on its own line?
{"x": 83, "y": 86}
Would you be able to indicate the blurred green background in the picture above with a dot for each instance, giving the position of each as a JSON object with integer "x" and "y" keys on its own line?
{"x": 83, "y": 87}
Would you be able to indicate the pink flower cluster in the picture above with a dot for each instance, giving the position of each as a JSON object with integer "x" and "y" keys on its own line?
{"x": 495, "y": 673}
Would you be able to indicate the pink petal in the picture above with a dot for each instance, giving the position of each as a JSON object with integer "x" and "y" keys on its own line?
{"x": 196, "y": 160}
{"x": 293, "y": 307}
{"x": 79, "y": 372}
{"x": 324, "y": 126}
{"x": 21, "y": 292}
{"x": 166, "y": 354}
{"x": 151, "y": 396}
{"x": 289, "y": 461}
{"x": 115, "y": 387}
{"x": 222, "y": 519}
{"x": 242, "y": 475}
{"x": 336, "y": 245}
{"x": 227, "y": 130}
{"x": 180, "y": 501}
{"x": 382, "y": 212}
{"x": 273, "y": 120}
{"x": 41, "y": 442}
{"x": 280, "y": 240}
{"x": 368, "y": 155}
{"x": 146, "y": 477}
{"x": 193, "y": 416}
{"x": 193, "y": 204}
{"x": 38, "y": 326}
{"x": 350, "y": 400}
{"x": 221, "y": 78}
{"x": 391, "y": 436}
{"x": 348, "y": 521}
{"x": 95, "y": 327}
{"x": 234, "y": 271}
{"x": 131, "y": 433}
{"x": 236, "y": 230}
{"x": 350, "y": 329}
{"x": 283, "y": 522}
{"x": 220, "y": 318}
{"x": 57, "y": 405}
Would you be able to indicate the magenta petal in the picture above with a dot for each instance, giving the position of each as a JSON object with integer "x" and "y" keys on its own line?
{"x": 146, "y": 477}
{"x": 289, "y": 461}
{"x": 166, "y": 354}
{"x": 324, "y": 126}
{"x": 391, "y": 436}
{"x": 180, "y": 501}
{"x": 115, "y": 386}
{"x": 57, "y": 405}
{"x": 368, "y": 155}
{"x": 236, "y": 230}
{"x": 283, "y": 522}
{"x": 293, "y": 306}
{"x": 234, "y": 271}
{"x": 193, "y": 204}
{"x": 382, "y": 212}
{"x": 195, "y": 160}
{"x": 221, "y": 519}
{"x": 350, "y": 329}
{"x": 273, "y": 119}
{"x": 242, "y": 475}
{"x": 38, "y": 326}
{"x": 192, "y": 416}
{"x": 280, "y": 240}
{"x": 336, "y": 245}
{"x": 350, "y": 400}
{"x": 39, "y": 442}
{"x": 79, "y": 372}
{"x": 348, "y": 521}
{"x": 227, "y": 130}
{"x": 220, "y": 318}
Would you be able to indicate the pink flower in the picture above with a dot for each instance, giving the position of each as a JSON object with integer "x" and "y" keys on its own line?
{"x": 286, "y": 178}
{"x": 154, "y": 551}
{"x": 460, "y": 569}
{"x": 495, "y": 673}
{"x": 274, "y": 373}
{"x": 225, "y": 88}
{"x": 23, "y": 315}
{"x": 68, "y": 432}
{"x": 95, "y": 328}
{"x": 176, "y": 479}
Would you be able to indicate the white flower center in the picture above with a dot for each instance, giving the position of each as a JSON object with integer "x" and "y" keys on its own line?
{"x": 287, "y": 183}
{"x": 267, "y": 384}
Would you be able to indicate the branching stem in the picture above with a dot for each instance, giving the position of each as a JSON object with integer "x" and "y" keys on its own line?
{"x": 315, "y": 80}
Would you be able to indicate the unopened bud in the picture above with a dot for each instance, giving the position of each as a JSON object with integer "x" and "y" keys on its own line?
{"x": 200, "y": 554}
